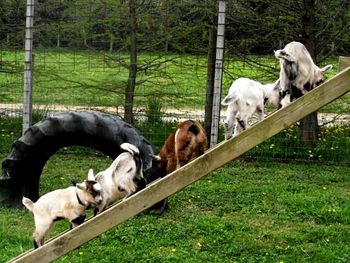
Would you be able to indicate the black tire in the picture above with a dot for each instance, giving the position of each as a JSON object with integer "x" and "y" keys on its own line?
{"x": 21, "y": 170}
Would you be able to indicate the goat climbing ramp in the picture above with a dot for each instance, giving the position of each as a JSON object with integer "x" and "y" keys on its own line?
{"x": 21, "y": 170}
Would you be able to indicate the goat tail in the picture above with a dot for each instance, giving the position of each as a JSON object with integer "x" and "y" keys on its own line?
{"x": 277, "y": 82}
{"x": 134, "y": 151}
{"x": 194, "y": 129}
{"x": 28, "y": 203}
{"x": 128, "y": 147}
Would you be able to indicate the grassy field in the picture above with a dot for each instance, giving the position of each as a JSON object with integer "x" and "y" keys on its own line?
{"x": 243, "y": 212}
{"x": 86, "y": 78}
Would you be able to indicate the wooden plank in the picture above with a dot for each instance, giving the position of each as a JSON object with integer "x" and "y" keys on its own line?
{"x": 186, "y": 175}
{"x": 344, "y": 62}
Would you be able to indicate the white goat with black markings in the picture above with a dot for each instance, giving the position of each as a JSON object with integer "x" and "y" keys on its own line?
{"x": 69, "y": 203}
{"x": 246, "y": 97}
{"x": 298, "y": 73}
{"x": 122, "y": 178}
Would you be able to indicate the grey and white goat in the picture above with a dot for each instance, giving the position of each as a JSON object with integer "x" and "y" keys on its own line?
{"x": 122, "y": 178}
{"x": 246, "y": 97}
{"x": 69, "y": 203}
{"x": 298, "y": 73}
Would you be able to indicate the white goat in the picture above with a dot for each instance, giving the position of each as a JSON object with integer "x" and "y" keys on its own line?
{"x": 298, "y": 73}
{"x": 123, "y": 177}
{"x": 245, "y": 97}
{"x": 69, "y": 203}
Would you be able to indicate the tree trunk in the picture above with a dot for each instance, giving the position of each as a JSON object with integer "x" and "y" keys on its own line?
{"x": 58, "y": 42}
{"x": 130, "y": 88}
{"x": 111, "y": 39}
{"x": 309, "y": 129}
{"x": 210, "y": 81}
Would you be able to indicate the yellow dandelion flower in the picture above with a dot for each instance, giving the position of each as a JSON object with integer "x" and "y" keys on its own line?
{"x": 173, "y": 250}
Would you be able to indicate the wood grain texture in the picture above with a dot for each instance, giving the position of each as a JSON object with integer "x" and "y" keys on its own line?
{"x": 193, "y": 171}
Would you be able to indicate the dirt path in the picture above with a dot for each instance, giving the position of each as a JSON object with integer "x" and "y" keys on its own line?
{"x": 14, "y": 109}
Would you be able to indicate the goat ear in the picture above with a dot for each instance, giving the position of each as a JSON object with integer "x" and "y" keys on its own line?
{"x": 97, "y": 187}
{"x": 91, "y": 176}
{"x": 81, "y": 186}
{"x": 326, "y": 68}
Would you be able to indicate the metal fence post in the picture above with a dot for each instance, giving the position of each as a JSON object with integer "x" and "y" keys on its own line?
{"x": 28, "y": 67}
{"x": 218, "y": 73}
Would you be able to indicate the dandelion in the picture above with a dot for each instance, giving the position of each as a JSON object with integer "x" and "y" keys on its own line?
{"x": 173, "y": 250}
{"x": 62, "y": 178}
{"x": 271, "y": 146}
{"x": 199, "y": 244}
{"x": 81, "y": 253}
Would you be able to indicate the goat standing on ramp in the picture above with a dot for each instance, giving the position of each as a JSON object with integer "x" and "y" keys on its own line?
{"x": 188, "y": 142}
{"x": 69, "y": 203}
{"x": 298, "y": 73}
{"x": 246, "y": 97}
{"x": 123, "y": 177}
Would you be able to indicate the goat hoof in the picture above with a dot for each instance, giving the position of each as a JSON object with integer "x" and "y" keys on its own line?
{"x": 159, "y": 208}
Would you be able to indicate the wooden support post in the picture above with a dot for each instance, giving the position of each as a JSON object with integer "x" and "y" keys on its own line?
{"x": 193, "y": 171}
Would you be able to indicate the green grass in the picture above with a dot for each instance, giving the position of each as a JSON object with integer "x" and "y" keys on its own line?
{"x": 243, "y": 212}
{"x": 87, "y": 78}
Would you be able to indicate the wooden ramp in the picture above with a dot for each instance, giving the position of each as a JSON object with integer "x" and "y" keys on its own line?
{"x": 193, "y": 171}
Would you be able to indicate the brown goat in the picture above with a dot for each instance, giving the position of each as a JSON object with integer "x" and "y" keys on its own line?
{"x": 188, "y": 142}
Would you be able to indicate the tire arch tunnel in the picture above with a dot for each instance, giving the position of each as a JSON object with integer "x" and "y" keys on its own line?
{"x": 22, "y": 169}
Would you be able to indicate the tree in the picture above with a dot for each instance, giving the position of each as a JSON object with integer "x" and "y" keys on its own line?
{"x": 130, "y": 88}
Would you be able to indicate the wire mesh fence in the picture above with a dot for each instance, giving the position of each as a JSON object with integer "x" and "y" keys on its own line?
{"x": 84, "y": 53}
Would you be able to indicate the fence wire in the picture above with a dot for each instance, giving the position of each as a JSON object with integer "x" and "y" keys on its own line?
{"x": 82, "y": 61}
